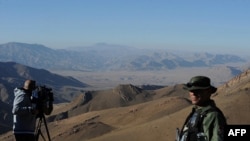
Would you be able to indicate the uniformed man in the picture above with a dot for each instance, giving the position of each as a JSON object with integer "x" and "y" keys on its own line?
{"x": 206, "y": 121}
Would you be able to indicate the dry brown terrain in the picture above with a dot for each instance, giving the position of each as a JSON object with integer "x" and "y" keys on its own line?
{"x": 153, "y": 119}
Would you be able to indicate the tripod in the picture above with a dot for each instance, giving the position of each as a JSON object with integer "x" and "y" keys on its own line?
{"x": 38, "y": 129}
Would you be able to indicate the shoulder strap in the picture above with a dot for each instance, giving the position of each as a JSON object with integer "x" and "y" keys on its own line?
{"x": 187, "y": 120}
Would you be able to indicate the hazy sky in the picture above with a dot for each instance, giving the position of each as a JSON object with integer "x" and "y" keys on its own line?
{"x": 173, "y": 24}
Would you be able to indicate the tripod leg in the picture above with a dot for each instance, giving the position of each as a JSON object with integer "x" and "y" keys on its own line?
{"x": 38, "y": 129}
{"x": 46, "y": 127}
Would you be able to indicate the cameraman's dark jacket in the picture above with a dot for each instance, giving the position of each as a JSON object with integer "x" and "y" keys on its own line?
{"x": 24, "y": 121}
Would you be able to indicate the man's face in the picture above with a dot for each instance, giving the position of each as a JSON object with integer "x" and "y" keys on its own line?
{"x": 199, "y": 97}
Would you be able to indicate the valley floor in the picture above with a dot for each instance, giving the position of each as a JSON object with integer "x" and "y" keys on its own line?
{"x": 110, "y": 79}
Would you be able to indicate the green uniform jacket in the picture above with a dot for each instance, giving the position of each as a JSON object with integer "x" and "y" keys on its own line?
{"x": 213, "y": 123}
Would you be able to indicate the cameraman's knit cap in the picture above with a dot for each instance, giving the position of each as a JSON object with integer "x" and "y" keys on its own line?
{"x": 199, "y": 83}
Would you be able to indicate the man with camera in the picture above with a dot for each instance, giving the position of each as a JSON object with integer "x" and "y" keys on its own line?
{"x": 24, "y": 114}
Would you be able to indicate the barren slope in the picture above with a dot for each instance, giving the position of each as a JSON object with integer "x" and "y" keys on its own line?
{"x": 155, "y": 119}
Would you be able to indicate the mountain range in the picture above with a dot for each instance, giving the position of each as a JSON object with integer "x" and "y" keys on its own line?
{"x": 102, "y": 57}
{"x": 126, "y": 112}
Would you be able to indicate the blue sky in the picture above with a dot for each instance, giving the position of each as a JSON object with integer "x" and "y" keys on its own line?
{"x": 212, "y": 25}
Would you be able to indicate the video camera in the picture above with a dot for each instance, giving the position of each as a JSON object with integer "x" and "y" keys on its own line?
{"x": 42, "y": 98}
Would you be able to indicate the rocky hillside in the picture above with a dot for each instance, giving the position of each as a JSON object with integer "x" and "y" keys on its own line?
{"x": 13, "y": 75}
{"x": 147, "y": 114}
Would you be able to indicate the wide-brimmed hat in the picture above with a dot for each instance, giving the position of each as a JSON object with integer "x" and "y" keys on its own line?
{"x": 199, "y": 83}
